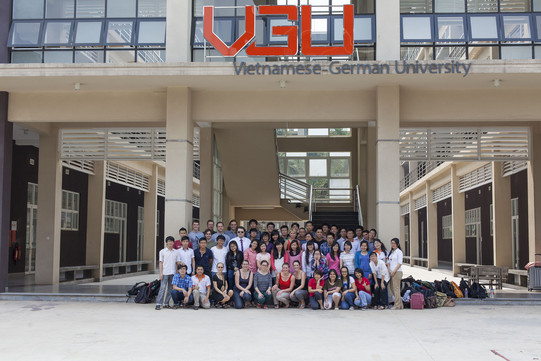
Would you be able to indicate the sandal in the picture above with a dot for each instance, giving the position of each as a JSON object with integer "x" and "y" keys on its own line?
{"x": 381, "y": 307}
{"x": 301, "y": 306}
{"x": 276, "y": 307}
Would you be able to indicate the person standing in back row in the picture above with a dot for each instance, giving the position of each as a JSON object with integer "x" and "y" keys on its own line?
{"x": 169, "y": 259}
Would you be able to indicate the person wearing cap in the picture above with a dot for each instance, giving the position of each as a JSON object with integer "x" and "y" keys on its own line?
{"x": 169, "y": 259}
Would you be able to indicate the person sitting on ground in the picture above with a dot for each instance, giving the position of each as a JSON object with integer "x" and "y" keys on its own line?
{"x": 169, "y": 259}
{"x": 381, "y": 279}
{"x": 221, "y": 293}
{"x": 182, "y": 288}
{"x": 233, "y": 262}
{"x": 244, "y": 279}
{"x": 299, "y": 294}
{"x": 363, "y": 297}
{"x": 263, "y": 285}
{"x": 348, "y": 290}
{"x": 319, "y": 263}
{"x": 201, "y": 289}
{"x": 333, "y": 258}
{"x": 331, "y": 290}
{"x": 203, "y": 257}
{"x": 315, "y": 290}
{"x": 250, "y": 255}
{"x": 283, "y": 287}
{"x": 263, "y": 255}
{"x": 347, "y": 258}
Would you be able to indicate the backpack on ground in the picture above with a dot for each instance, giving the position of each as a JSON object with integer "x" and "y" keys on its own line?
{"x": 441, "y": 298}
{"x": 135, "y": 290}
{"x": 464, "y": 286}
{"x": 447, "y": 288}
{"x": 449, "y": 302}
{"x": 457, "y": 290}
{"x": 478, "y": 291}
{"x": 417, "y": 301}
{"x": 431, "y": 302}
{"x": 148, "y": 293}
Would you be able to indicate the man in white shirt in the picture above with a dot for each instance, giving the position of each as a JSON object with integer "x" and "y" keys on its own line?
{"x": 220, "y": 228}
{"x": 195, "y": 234}
{"x": 168, "y": 267}
{"x": 186, "y": 255}
{"x": 242, "y": 241}
{"x": 201, "y": 289}
{"x": 219, "y": 252}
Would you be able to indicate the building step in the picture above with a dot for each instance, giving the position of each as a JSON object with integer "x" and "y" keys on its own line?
{"x": 62, "y": 297}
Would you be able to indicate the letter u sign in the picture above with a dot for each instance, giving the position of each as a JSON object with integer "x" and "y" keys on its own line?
{"x": 291, "y": 31}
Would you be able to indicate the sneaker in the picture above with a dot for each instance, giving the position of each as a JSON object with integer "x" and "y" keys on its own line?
{"x": 265, "y": 307}
{"x": 364, "y": 308}
{"x": 351, "y": 308}
{"x": 175, "y": 307}
{"x": 158, "y": 307}
{"x": 258, "y": 305}
{"x": 196, "y": 307}
{"x": 336, "y": 308}
{"x": 167, "y": 306}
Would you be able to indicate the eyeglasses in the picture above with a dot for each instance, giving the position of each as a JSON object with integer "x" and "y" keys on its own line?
{"x": 220, "y": 267}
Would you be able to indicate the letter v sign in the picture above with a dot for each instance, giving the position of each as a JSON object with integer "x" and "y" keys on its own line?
{"x": 241, "y": 42}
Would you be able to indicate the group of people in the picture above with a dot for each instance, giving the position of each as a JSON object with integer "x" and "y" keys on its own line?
{"x": 325, "y": 267}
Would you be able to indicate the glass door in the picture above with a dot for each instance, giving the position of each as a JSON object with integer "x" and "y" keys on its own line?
{"x": 31, "y": 226}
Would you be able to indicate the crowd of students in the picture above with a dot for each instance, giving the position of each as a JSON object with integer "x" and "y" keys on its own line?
{"x": 326, "y": 268}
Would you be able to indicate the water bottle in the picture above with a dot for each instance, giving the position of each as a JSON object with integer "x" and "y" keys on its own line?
{"x": 491, "y": 292}
{"x": 466, "y": 293}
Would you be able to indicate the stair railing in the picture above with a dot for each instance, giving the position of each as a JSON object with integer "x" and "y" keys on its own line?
{"x": 296, "y": 191}
{"x": 357, "y": 205}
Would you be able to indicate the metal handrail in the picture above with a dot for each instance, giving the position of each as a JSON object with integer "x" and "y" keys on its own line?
{"x": 295, "y": 190}
{"x": 196, "y": 170}
{"x": 358, "y": 204}
{"x": 422, "y": 169}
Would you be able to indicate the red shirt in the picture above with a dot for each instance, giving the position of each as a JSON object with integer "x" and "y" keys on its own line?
{"x": 312, "y": 284}
{"x": 284, "y": 285}
{"x": 361, "y": 285}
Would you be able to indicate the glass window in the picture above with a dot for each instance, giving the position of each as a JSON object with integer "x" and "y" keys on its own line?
{"x": 514, "y": 6}
{"x": 278, "y": 22}
{"x": 119, "y": 32}
{"x": 516, "y": 52}
{"x": 88, "y": 32}
{"x": 57, "y": 9}
{"x": 58, "y": 57}
{"x": 516, "y": 27}
{"x": 483, "y": 52}
{"x": 320, "y": 32}
{"x": 151, "y": 32}
{"x": 26, "y": 57}
{"x": 484, "y": 27}
{"x": 362, "y": 29}
{"x": 416, "y": 53}
{"x": 120, "y": 56}
{"x": 339, "y": 167}
{"x": 121, "y": 8}
{"x": 415, "y": 6}
{"x": 223, "y": 28}
{"x": 296, "y": 154}
{"x": 318, "y": 132}
{"x": 318, "y": 167}
{"x": 57, "y": 33}
{"x": 152, "y": 8}
{"x": 417, "y": 28}
{"x": 296, "y": 167}
{"x": 450, "y": 52}
{"x": 259, "y": 31}
{"x": 536, "y": 5}
{"x": 25, "y": 34}
{"x": 297, "y": 132}
{"x": 363, "y": 6}
{"x": 90, "y": 8}
{"x": 449, "y": 6}
{"x": 450, "y": 28}
{"x": 537, "y": 52}
{"x": 151, "y": 56}
{"x": 89, "y": 56}
{"x": 27, "y": 9}
{"x": 340, "y": 132}
{"x": 482, "y": 6}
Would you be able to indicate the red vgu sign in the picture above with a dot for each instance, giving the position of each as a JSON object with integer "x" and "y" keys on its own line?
{"x": 291, "y": 31}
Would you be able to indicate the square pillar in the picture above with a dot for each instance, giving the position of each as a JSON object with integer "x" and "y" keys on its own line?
{"x": 432, "y": 229}
{"x": 388, "y": 163}
{"x": 49, "y": 208}
{"x": 534, "y": 193}
{"x": 501, "y": 208}
{"x": 95, "y": 233}
{"x": 414, "y": 230}
{"x": 179, "y": 29}
{"x": 179, "y": 160}
{"x": 458, "y": 209}
{"x": 206, "y": 146}
{"x": 388, "y": 30}
{"x": 6, "y": 147}
{"x": 369, "y": 212}
{"x": 150, "y": 220}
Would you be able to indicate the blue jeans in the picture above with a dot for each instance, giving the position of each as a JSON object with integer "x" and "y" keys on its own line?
{"x": 238, "y": 300}
{"x": 262, "y": 300}
{"x": 314, "y": 300}
{"x": 178, "y": 297}
{"x": 230, "y": 279}
{"x": 348, "y": 301}
{"x": 164, "y": 294}
{"x": 364, "y": 300}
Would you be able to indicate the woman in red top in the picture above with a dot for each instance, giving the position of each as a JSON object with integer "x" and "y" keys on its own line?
{"x": 363, "y": 297}
{"x": 315, "y": 290}
{"x": 283, "y": 287}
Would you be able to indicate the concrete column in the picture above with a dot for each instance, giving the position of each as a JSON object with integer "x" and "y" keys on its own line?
{"x": 432, "y": 229}
{"x": 6, "y": 136}
{"x": 5, "y": 20}
{"x": 414, "y": 230}
{"x": 206, "y": 145}
{"x": 388, "y": 30}
{"x": 501, "y": 203}
{"x": 49, "y": 208}
{"x": 370, "y": 211}
{"x": 534, "y": 193}
{"x": 150, "y": 220}
{"x": 96, "y": 218}
{"x": 179, "y": 26}
{"x": 388, "y": 163}
{"x": 179, "y": 160}
{"x": 458, "y": 208}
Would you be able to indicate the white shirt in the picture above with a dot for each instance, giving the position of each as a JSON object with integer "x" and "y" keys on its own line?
{"x": 218, "y": 257}
{"x": 203, "y": 284}
{"x": 341, "y": 242}
{"x": 380, "y": 270}
{"x": 306, "y": 266}
{"x": 215, "y": 238}
{"x": 243, "y": 244}
{"x": 395, "y": 259}
{"x": 355, "y": 246}
{"x": 278, "y": 263}
{"x": 185, "y": 257}
{"x": 169, "y": 259}
{"x": 348, "y": 260}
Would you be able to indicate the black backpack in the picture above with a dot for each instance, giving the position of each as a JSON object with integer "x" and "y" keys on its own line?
{"x": 135, "y": 290}
{"x": 477, "y": 291}
{"x": 464, "y": 286}
{"x": 148, "y": 293}
{"x": 447, "y": 288}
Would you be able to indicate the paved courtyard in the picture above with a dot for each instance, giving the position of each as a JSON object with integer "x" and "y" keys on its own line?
{"x": 116, "y": 331}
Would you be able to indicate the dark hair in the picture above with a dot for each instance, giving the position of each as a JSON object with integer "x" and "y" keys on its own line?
{"x": 265, "y": 261}
{"x": 307, "y": 253}
{"x": 264, "y": 234}
{"x": 199, "y": 266}
{"x": 325, "y": 224}
{"x": 169, "y": 238}
{"x": 277, "y": 255}
{"x": 383, "y": 248}
{"x": 397, "y": 246}
{"x": 296, "y": 261}
{"x": 229, "y": 225}
{"x": 182, "y": 266}
{"x": 318, "y": 272}
{"x": 268, "y": 224}
{"x": 373, "y": 253}
{"x": 274, "y": 232}
{"x": 182, "y": 229}
{"x": 295, "y": 224}
{"x": 241, "y": 228}
{"x": 334, "y": 225}
{"x": 210, "y": 220}
{"x": 318, "y": 228}
{"x": 233, "y": 243}
{"x": 202, "y": 239}
{"x": 358, "y": 270}
{"x": 347, "y": 275}
{"x": 332, "y": 251}
{"x": 360, "y": 227}
{"x": 252, "y": 242}
{"x": 262, "y": 244}
{"x": 253, "y": 230}
{"x": 361, "y": 245}
{"x": 298, "y": 248}
{"x": 348, "y": 243}
{"x": 373, "y": 229}
{"x": 312, "y": 223}
{"x": 351, "y": 230}
{"x": 252, "y": 221}
{"x": 221, "y": 236}
{"x": 207, "y": 230}
{"x": 195, "y": 221}
{"x": 184, "y": 237}
{"x": 366, "y": 231}
{"x": 332, "y": 270}
{"x": 331, "y": 234}
{"x": 219, "y": 223}
{"x": 284, "y": 226}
